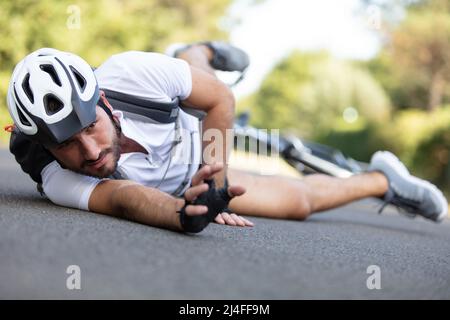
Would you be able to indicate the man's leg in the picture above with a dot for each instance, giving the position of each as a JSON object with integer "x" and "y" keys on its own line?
{"x": 211, "y": 55}
{"x": 198, "y": 56}
{"x": 290, "y": 198}
{"x": 279, "y": 197}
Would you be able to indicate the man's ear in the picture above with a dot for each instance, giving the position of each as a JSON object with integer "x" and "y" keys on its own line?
{"x": 116, "y": 119}
{"x": 105, "y": 101}
{"x": 116, "y": 123}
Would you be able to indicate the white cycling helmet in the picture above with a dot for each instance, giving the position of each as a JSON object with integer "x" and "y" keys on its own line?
{"x": 52, "y": 95}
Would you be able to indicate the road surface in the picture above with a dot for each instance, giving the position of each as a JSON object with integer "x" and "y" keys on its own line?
{"x": 326, "y": 257}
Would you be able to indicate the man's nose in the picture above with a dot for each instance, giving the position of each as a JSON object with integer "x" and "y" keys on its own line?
{"x": 89, "y": 148}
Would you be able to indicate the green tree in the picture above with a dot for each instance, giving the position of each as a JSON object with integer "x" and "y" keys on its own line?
{"x": 309, "y": 93}
{"x": 106, "y": 27}
{"x": 432, "y": 159}
{"x": 413, "y": 66}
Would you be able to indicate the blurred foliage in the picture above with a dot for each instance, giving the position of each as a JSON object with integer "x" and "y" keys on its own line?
{"x": 435, "y": 5}
{"x": 5, "y": 118}
{"x": 420, "y": 138}
{"x": 358, "y": 143}
{"x": 413, "y": 66}
{"x": 403, "y": 135}
{"x": 432, "y": 158}
{"x": 308, "y": 93}
{"x": 106, "y": 27}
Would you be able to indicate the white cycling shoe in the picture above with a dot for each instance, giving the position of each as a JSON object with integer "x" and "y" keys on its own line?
{"x": 411, "y": 194}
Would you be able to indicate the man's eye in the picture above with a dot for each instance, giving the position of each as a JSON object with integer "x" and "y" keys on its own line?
{"x": 64, "y": 144}
{"x": 92, "y": 124}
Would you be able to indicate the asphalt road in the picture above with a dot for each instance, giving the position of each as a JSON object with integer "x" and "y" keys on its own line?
{"x": 325, "y": 257}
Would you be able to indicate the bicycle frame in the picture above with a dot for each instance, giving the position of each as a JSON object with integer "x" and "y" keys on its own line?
{"x": 294, "y": 152}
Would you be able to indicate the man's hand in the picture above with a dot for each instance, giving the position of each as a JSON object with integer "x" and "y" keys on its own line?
{"x": 199, "y": 186}
{"x": 232, "y": 219}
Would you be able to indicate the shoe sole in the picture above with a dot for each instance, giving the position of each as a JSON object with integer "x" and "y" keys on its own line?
{"x": 379, "y": 160}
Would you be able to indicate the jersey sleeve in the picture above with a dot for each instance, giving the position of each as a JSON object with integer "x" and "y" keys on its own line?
{"x": 61, "y": 186}
{"x": 67, "y": 188}
{"x": 146, "y": 74}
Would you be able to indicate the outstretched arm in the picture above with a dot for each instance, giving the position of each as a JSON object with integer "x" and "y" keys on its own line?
{"x": 132, "y": 201}
{"x": 216, "y": 99}
{"x": 129, "y": 200}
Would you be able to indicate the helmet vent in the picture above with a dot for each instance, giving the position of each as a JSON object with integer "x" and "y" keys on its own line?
{"x": 52, "y": 104}
{"x": 52, "y": 72}
{"x": 26, "y": 88}
{"x": 22, "y": 118}
{"x": 80, "y": 79}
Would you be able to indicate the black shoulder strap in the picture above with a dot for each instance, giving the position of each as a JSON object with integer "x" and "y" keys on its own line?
{"x": 157, "y": 111}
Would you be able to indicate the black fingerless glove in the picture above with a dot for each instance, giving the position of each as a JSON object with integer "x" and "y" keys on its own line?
{"x": 215, "y": 199}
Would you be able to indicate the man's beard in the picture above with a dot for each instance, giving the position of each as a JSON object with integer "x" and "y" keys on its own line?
{"x": 104, "y": 172}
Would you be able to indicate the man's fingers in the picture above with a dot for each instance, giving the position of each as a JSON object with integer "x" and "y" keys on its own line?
{"x": 206, "y": 172}
{"x": 228, "y": 219}
{"x": 196, "y": 210}
{"x": 219, "y": 219}
{"x": 201, "y": 174}
{"x": 238, "y": 220}
{"x": 233, "y": 219}
{"x": 248, "y": 223}
{"x": 193, "y": 192}
{"x": 216, "y": 167}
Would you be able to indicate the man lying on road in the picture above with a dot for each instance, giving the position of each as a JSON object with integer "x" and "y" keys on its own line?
{"x": 84, "y": 154}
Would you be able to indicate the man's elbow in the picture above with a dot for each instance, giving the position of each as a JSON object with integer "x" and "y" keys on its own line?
{"x": 222, "y": 97}
{"x": 228, "y": 99}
